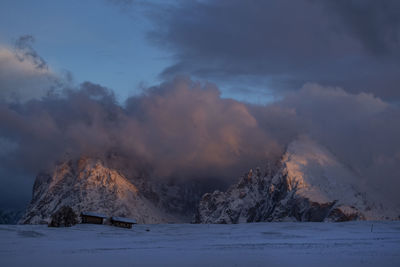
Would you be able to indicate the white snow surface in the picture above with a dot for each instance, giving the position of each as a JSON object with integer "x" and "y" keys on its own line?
{"x": 360, "y": 243}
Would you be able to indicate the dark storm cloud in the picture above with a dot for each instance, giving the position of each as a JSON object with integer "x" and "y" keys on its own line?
{"x": 375, "y": 23}
{"x": 360, "y": 129}
{"x": 283, "y": 44}
{"x": 180, "y": 130}
{"x": 184, "y": 129}
{"x": 190, "y": 128}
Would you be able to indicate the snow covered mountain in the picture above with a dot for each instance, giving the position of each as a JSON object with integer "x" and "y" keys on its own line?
{"x": 87, "y": 185}
{"x": 308, "y": 184}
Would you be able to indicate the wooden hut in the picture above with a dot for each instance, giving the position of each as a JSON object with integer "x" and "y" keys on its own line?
{"x": 122, "y": 222}
{"x": 92, "y": 217}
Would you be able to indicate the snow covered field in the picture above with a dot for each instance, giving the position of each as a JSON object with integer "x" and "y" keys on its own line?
{"x": 256, "y": 244}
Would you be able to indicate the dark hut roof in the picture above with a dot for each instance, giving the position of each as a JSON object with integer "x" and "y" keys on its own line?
{"x": 125, "y": 220}
{"x": 93, "y": 214}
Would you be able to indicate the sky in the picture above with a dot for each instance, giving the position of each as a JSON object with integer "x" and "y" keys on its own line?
{"x": 250, "y": 49}
{"x": 197, "y": 88}
{"x": 94, "y": 40}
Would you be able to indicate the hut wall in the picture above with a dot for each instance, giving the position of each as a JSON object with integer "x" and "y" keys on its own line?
{"x": 91, "y": 219}
{"x": 122, "y": 224}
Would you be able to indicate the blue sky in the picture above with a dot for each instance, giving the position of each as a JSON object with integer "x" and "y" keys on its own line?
{"x": 94, "y": 40}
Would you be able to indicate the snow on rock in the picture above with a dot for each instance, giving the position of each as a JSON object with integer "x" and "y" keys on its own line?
{"x": 308, "y": 184}
{"x": 87, "y": 185}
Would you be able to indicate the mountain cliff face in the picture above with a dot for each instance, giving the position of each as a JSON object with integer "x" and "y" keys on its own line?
{"x": 87, "y": 185}
{"x": 308, "y": 184}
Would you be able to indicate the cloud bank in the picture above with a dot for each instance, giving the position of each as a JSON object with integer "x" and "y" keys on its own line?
{"x": 22, "y": 77}
{"x": 178, "y": 128}
{"x": 283, "y": 44}
{"x": 184, "y": 129}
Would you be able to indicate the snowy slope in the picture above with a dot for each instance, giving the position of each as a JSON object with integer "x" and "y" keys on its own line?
{"x": 256, "y": 244}
{"x": 321, "y": 178}
{"x": 86, "y": 185}
{"x": 308, "y": 184}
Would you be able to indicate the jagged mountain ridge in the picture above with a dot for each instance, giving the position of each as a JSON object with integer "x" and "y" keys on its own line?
{"x": 308, "y": 184}
{"x": 87, "y": 185}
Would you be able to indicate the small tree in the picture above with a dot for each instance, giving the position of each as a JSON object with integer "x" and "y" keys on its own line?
{"x": 64, "y": 217}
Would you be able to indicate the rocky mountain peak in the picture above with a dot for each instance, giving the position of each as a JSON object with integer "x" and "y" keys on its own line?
{"x": 87, "y": 185}
{"x": 307, "y": 184}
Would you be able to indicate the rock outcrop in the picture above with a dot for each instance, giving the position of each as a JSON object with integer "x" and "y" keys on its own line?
{"x": 307, "y": 184}
{"x": 87, "y": 185}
